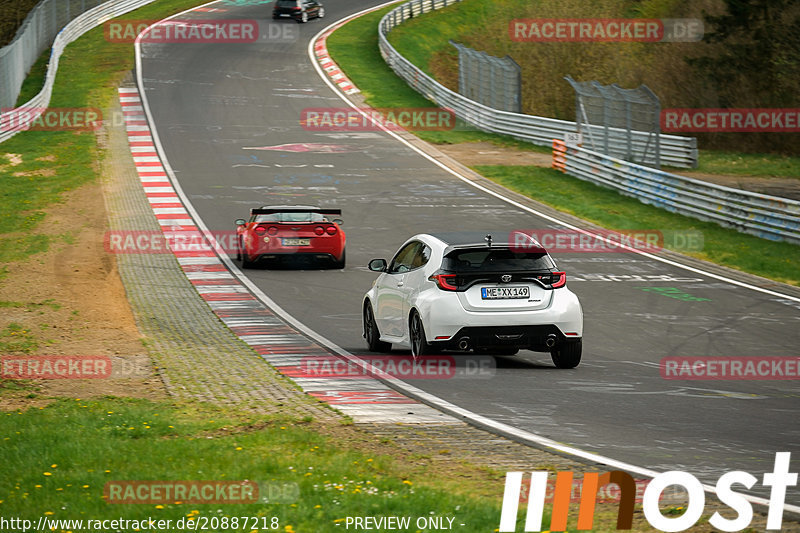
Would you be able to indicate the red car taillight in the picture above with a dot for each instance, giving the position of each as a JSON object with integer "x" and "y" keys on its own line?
{"x": 260, "y": 230}
{"x": 272, "y": 230}
{"x": 559, "y": 279}
{"x": 446, "y": 282}
{"x": 331, "y": 230}
{"x": 319, "y": 230}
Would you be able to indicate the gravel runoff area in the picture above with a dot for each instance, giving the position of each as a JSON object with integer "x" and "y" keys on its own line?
{"x": 200, "y": 359}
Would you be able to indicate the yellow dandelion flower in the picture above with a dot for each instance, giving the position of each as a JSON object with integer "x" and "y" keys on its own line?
{"x": 238, "y": 448}
{"x": 48, "y": 474}
{"x": 48, "y": 513}
{"x": 407, "y": 482}
{"x": 159, "y": 506}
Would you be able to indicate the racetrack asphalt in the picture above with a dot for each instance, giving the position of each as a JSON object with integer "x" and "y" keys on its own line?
{"x": 221, "y": 109}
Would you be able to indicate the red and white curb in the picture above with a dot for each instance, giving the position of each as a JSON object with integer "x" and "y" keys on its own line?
{"x": 329, "y": 66}
{"x": 365, "y": 399}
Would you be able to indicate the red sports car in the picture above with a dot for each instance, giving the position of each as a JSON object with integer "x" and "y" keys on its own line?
{"x": 279, "y": 232}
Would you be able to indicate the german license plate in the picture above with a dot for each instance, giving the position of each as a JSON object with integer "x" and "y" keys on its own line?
{"x": 504, "y": 293}
{"x": 296, "y": 242}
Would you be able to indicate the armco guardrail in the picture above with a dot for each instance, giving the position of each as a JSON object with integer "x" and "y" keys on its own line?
{"x": 769, "y": 217}
{"x": 675, "y": 150}
{"x": 34, "y": 36}
{"x": 17, "y": 60}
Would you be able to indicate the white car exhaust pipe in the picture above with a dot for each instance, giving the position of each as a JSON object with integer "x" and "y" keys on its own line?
{"x": 551, "y": 340}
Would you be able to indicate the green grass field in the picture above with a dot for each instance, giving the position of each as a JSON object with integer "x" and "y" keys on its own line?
{"x": 61, "y": 461}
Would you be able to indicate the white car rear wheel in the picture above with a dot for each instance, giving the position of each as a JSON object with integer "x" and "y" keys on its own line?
{"x": 567, "y": 355}
{"x": 419, "y": 344}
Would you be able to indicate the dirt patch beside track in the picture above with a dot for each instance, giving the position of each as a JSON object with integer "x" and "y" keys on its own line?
{"x": 69, "y": 300}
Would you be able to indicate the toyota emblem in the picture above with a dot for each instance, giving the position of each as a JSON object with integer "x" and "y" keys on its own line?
{"x": 505, "y": 278}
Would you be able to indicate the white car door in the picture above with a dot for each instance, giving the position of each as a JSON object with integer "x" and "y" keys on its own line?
{"x": 390, "y": 292}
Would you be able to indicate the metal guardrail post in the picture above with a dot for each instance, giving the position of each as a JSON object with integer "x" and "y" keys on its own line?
{"x": 769, "y": 217}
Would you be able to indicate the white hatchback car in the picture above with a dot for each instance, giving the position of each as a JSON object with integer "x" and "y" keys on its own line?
{"x": 465, "y": 291}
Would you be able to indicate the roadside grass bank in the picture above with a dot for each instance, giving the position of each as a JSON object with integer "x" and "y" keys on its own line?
{"x": 355, "y": 48}
{"x": 61, "y": 461}
{"x": 424, "y": 41}
{"x": 697, "y": 75}
{"x": 742, "y": 164}
{"x": 36, "y": 167}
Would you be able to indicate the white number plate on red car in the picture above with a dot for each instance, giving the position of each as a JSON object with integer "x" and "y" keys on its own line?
{"x": 504, "y": 293}
{"x": 296, "y": 242}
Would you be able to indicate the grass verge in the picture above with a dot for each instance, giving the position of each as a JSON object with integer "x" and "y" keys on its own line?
{"x": 57, "y": 461}
{"x": 354, "y": 47}
{"x": 36, "y": 167}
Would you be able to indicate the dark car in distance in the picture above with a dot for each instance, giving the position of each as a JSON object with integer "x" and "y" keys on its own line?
{"x": 299, "y": 10}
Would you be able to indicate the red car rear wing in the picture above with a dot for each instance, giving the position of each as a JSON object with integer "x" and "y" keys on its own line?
{"x": 261, "y": 211}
